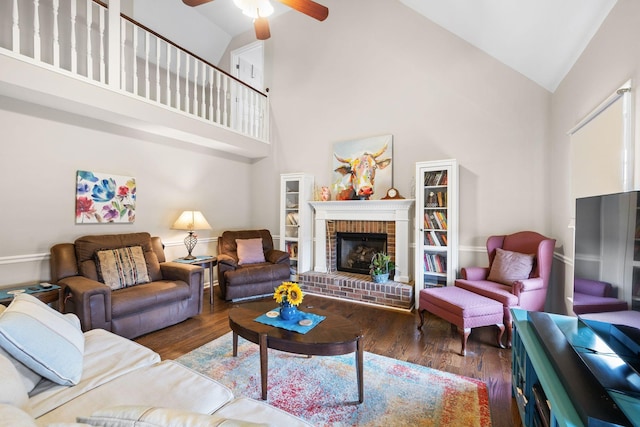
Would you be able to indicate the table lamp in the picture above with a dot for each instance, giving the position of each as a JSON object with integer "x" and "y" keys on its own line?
{"x": 191, "y": 221}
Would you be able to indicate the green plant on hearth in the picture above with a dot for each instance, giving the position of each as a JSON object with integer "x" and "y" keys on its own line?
{"x": 380, "y": 264}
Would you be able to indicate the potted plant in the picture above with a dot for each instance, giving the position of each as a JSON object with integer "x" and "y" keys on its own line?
{"x": 380, "y": 267}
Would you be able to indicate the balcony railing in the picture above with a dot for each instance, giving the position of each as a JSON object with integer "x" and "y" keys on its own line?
{"x": 74, "y": 35}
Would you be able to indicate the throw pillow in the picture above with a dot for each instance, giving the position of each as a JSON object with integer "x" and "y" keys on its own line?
{"x": 123, "y": 267}
{"x": 510, "y": 266}
{"x": 42, "y": 339}
{"x": 143, "y": 416}
{"x": 12, "y": 391}
{"x": 250, "y": 251}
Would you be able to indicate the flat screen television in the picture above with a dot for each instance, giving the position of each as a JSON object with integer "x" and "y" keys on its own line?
{"x": 607, "y": 248}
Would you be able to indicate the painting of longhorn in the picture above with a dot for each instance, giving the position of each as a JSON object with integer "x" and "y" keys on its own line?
{"x": 363, "y": 168}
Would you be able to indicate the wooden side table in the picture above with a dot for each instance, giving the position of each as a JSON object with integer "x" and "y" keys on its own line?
{"x": 48, "y": 295}
{"x": 205, "y": 261}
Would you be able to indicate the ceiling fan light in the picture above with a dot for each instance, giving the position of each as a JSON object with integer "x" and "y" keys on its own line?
{"x": 255, "y": 8}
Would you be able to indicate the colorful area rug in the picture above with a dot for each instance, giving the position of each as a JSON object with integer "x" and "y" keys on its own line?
{"x": 324, "y": 391}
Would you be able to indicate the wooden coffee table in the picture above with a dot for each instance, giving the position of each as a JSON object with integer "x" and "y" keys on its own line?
{"x": 333, "y": 336}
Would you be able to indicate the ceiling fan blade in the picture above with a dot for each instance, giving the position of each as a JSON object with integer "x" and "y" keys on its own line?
{"x": 308, "y": 7}
{"x": 261, "y": 25}
{"x": 193, "y": 3}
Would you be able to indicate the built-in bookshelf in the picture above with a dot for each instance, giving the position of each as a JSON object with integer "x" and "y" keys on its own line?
{"x": 296, "y": 221}
{"x": 436, "y": 224}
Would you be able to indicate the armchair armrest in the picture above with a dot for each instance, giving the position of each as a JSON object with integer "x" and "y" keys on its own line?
{"x": 89, "y": 300}
{"x": 276, "y": 256}
{"x": 190, "y": 274}
{"x": 228, "y": 260}
{"x": 474, "y": 273}
{"x": 527, "y": 285}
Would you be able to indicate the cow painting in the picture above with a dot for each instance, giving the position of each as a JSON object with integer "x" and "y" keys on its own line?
{"x": 358, "y": 174}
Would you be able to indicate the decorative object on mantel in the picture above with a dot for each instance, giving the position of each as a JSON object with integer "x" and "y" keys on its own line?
{"x": 289, "y": 296}
{"x": 357, "y": 164}
{"x": 392, "y": 194}
{"x": 191, "y": 221}
{"x": 103, "y": 198}
{"x": 380, "y": 266}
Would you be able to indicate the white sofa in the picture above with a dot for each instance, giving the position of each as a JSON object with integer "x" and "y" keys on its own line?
{"x": 112, "y": 381}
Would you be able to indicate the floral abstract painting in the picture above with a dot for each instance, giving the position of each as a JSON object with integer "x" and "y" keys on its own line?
{"x": 104, "y": 198}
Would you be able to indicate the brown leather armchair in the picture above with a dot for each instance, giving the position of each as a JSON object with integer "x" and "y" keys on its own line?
{"x": 172, "y": 294}
{"x": 237, "y": 280}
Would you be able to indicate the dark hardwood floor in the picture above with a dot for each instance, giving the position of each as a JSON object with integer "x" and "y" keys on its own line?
{"x": 386, "y": 332}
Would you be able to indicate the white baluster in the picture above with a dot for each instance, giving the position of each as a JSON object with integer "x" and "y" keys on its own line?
{"x": 56, "y": 34}
{"x": 225, "y": 108}
{"x": 252, "y": 113}
{"x": 37, "y": 45}
{"x": 211, "y": 94}
{"x": 203, "y": 105}
{"x": 196, "y": 77}
{"x": 102, "y": 61}
{"x": 147, "y": 86}
{"x": 218, "y": 96}
{"x": 74, "y": 50}
{"x": 158, "y": 98}
{"x": 123, "y": 62}
{"x": 169, "y": 93}
{"x": 187, "y": 101}
{"x": 15, "y": 27}
{"x": 134, "y": 59}
{"x": 178, "y": 94}
{"x": 89, "y": 47}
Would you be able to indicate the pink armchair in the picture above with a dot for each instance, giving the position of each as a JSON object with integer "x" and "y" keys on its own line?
{"x": 501, "y": 281}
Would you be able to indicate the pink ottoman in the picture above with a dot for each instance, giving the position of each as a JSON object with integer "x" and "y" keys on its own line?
{"x": 463, "y": 309}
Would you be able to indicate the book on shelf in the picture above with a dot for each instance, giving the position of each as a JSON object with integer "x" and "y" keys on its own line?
{"x": 435, "y": 263}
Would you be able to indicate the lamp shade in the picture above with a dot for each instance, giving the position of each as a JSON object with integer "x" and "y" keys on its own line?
{"x": 191, "y": 220}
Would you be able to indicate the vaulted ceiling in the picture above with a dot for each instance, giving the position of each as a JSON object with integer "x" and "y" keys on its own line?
{"x": 541, "y": 39}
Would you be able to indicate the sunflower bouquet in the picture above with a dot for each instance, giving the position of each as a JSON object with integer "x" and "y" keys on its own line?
{"x": 288, "y": 292}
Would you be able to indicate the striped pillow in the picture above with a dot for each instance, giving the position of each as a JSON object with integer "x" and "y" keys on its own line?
{"x": 123, "y": 267}
{"x": 42, "y": 339}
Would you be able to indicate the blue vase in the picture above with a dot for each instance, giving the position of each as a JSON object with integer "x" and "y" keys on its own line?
{"x": 288, "y": 311}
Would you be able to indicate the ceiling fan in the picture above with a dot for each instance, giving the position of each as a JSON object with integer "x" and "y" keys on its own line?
{"x": 260, "y": 9}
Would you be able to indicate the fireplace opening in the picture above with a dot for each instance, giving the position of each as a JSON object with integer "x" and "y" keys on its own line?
{"x": 355, "y": 250}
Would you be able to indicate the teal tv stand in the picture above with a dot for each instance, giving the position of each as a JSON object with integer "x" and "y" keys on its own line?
{"x": 544, "y": 396}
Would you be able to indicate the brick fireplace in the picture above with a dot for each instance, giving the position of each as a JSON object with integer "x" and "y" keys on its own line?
{"x": 390, "y": 217}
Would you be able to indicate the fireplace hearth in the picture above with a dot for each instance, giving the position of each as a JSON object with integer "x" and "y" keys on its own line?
{"x": 355, "y": 250}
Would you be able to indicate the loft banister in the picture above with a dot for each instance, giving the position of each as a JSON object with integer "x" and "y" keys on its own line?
{"x": 78, "y": 39}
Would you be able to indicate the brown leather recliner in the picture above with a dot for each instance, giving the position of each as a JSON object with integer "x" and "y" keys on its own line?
{"x": 174, "y": 293}
{"x": 238, "y": 281}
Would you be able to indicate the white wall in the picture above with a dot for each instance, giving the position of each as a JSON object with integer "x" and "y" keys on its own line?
{"x": 41, "y": 151}
{"x": 376, "y": 67}
{"x": 612, "y": 58}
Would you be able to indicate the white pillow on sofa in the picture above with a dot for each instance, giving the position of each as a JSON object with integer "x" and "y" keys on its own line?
{"x": 42, "y": 339}
{"x": 145, "y": 416}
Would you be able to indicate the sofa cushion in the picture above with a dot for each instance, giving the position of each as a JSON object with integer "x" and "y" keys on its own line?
{"x": 122, "y": 267}
{"x": 87, "y": 246}
{"x": 165, "y": 384}
{"x": 250, "y": 251}
{"x": 12, "y": 391}
{"x": 42, "y": 339}
{"x": 148, "y": 295}
{"x": 103, "y": 361}
{"x": 145, "y": 416}
{"x": 510, "y": 266}
{"x": 13, "y": 416}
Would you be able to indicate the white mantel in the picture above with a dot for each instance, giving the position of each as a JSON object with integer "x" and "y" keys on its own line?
{"x": 365, "y": 210}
